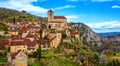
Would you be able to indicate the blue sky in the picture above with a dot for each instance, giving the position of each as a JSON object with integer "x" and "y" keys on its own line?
{"x": 100, "y": 15}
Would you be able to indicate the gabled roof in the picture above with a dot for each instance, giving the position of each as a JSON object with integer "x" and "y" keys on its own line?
{"x": 17, "y": 43}
{"x": 24, "y": 28}
{"x": 17, "y": 37}
{"x": 44, "y": 41}
{"x": 30, "y": 36}
{"x": 59, "y": 17}
{"x": 13, "y": 55}
{"x": 30, "y": 43}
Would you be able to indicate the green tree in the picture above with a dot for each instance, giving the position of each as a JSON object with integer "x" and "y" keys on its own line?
{"x": 64, "y": 35}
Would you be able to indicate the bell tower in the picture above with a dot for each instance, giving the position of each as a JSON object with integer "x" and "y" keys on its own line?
{"x": 50, "y": 15}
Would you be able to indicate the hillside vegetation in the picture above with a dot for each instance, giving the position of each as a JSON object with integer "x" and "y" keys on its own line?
{"x": 7, "y": 15}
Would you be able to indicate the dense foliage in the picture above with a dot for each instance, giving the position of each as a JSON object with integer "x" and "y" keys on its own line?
{"x": 3, "y": 27}
{"x": 8, "y": 15}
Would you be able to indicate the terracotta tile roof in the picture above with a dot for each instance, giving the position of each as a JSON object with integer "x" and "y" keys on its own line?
{"x": 73, "y": 33}
{"x": 33, "y": 26}
{"x": 28, "y": 42}
{"x": 59, "y": 17}
{"x": 52, "y": 38}
{"x": 30, "y": 36}
{"x": 24, "y": 28}
{"x": 16, "y": 43}
{"x": 2, "y": 47}
{"x": 17, "y": 37}
{"x": 13, "y": 55}
{"x": 43, "y": 41}
{"x": 4, "y": 41}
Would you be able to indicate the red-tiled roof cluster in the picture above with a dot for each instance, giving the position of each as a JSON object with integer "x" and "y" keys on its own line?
{"x": 17, "y": 43}
{"x": 37, "y": 20}
{"x": 43, "y": 41}
{"x": 30, "y": 43}
{"x": 24, "y": 28}
{"x": 17, "y": 37}
{"x": 4, "y": 41}
{"x": 73, "y": 33}
{"x": 30, "y": 36}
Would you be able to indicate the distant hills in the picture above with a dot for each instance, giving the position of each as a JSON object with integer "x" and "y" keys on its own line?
{"x": 7, "y": 15}
{"x": 108, "y": 34}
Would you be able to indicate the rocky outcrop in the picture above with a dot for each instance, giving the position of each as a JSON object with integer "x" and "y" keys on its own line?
{"x": 89, "y": 37}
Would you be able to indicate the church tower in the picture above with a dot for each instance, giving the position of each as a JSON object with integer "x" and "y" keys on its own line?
{"x": 50, "y": 15}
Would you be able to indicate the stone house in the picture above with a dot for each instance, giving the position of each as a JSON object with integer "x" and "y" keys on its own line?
{"x": 17, "y": 59}
{"x": 18, "y": 45}
{"x": 32, "y": 46}
{"x": 45, "y": 44}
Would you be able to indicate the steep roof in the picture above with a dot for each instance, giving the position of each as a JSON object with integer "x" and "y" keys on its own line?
{"x": 30, "y": 43}
{"x": 13, "y": 55}
{"x": 17, "y": 43}
{"x": 23, "y": 28}
{"x": 17, "y": 37}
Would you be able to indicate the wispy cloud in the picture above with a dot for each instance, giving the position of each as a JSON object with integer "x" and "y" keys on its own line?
{"x": 115, "y": 6}
{"x": 24, "y": 5}
{"x": 101, "y": 0}
{"x": 72, "y": 17}
{"x": 73, "y": 0}
{"x": 89, "y": 0}
{"x": 64, "y": 7}
{"x": 109, "y": 26}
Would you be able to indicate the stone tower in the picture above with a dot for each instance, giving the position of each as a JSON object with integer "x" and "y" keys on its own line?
{"x": 50, "y": 15}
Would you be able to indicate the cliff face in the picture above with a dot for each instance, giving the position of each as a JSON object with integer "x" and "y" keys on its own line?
{"x": 89, "y": 37}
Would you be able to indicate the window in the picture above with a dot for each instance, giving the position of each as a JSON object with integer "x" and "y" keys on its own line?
{"x": 44, "y": 46}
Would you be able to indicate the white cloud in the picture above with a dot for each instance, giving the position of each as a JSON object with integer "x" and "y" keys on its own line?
{"x": 73, "y": 0}
{"x": 90, "y": 0}
{"x": 72, "y": 17}
{"x": 109, "y": 26}
{"x": 115, "y": 6}
{"x": 64, "y": 7}
{"x": 24, "y": 5}
{"x": 101, "y": 0}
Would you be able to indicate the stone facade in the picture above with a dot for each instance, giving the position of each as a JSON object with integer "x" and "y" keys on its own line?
{"x": 56, "y": 22}
{"x": 17, "y": 59}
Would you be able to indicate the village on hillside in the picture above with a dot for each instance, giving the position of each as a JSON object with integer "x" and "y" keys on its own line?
{"x": 25, "y": 37}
